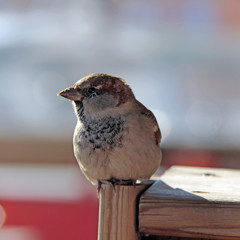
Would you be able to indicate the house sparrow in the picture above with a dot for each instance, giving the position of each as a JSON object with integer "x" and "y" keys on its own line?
{"x": 116, "y": 139}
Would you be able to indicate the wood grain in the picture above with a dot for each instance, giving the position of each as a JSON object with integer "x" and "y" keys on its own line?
{"x": 193, "y": 202}
{"x": 118, "y": 211}
{"x": 173, "y": 238}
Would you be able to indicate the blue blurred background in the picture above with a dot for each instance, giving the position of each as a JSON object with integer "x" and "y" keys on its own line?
{"x": 181, "y": 59}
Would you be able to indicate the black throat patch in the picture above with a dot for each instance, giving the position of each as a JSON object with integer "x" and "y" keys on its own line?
{"x": 105, "y": 134}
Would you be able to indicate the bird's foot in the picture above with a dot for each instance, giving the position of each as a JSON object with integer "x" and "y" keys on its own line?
{"x": 123, "y": 181}
{"x": 113, "y": 182}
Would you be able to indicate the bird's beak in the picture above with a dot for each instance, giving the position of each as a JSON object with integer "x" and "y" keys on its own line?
{"x": 71, "y": 94}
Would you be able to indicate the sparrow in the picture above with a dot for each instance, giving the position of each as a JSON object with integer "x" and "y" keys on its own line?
{"x": 116, "y": 139}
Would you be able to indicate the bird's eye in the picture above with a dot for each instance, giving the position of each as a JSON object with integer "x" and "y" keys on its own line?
{"x": 91, "y": 90}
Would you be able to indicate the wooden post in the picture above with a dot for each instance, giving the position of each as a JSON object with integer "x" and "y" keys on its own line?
{"x": 118, "y": 211}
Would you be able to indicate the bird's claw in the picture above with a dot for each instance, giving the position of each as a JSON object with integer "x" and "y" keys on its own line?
{"x": 113, "y": 182}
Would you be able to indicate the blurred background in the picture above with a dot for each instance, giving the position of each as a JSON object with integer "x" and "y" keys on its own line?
{"x": 181, "y": 59}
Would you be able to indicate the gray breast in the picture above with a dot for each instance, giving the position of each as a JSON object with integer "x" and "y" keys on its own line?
{"x": 105, "y": 134}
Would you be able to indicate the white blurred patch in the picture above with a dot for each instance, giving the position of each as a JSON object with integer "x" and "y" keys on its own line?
{"x": 19, "y": 233}
{"x": 203, "y": 119}
{"x": 43, "y": 183}
{"x": 163, "y": 122}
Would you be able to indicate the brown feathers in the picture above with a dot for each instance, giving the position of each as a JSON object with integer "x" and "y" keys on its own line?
{"x": 156, "y": 130}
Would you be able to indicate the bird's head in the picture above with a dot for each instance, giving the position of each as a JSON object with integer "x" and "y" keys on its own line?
{"x": 100, "y": 95}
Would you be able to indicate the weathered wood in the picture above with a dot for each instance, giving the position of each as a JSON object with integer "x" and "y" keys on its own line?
{"x": 118, "y": 211}
{"x": 193, "y": 202}
{"x": 174, "y": 238}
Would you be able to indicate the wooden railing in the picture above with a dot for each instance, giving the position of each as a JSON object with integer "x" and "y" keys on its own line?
{"x": 184, "y": 203}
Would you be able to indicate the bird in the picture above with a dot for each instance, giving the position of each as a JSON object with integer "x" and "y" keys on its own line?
{"x": 116, "y": 139}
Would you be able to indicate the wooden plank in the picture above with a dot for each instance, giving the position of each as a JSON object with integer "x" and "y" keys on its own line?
{"x": 193, "y": 202}
{"x": 118, "y": 211}
{"x": 173, "y": 238}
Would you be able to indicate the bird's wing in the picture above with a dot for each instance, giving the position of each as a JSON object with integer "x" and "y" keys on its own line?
{"x": 148, "y": 114}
